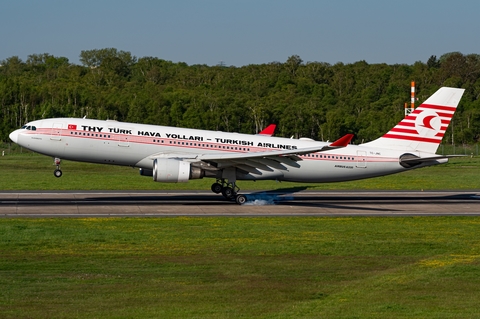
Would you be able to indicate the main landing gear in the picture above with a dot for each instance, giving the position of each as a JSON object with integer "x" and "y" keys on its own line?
{"x": 57, "y": 172}
{"x": 229, "y": 191}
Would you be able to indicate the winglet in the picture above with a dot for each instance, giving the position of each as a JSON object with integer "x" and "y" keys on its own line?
{"x": 342, "y": 141}
{"x": 269, "y": 130}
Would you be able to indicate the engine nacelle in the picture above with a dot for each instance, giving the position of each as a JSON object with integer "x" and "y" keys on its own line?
{"x": 169, "y": 170}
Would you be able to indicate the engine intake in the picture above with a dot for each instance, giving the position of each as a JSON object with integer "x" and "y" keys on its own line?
{"x": 169, "y": 170}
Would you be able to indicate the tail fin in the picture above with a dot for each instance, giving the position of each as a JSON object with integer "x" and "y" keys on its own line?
{"x": 425, "y": 127}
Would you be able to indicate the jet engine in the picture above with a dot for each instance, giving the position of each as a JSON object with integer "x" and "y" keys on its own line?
{"x": 169, "y": 170}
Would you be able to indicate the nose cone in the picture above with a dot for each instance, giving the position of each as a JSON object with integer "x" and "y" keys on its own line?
{"x": 14, "y": 136}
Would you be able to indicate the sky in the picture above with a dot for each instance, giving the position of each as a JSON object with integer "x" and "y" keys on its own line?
{"x": 243, "y": 32}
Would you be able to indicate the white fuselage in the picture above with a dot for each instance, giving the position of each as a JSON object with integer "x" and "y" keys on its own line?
{"x": 136, "y": 145}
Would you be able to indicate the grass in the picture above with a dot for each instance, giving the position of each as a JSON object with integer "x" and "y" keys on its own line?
{"x": 408, "y": 267}
{"x": 413, "y": 267}
{"x": 28, "y": 171}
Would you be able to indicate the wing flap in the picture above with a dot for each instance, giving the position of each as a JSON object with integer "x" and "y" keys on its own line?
{"x": 255, "y": 164}
{"x": 272, "y": 163}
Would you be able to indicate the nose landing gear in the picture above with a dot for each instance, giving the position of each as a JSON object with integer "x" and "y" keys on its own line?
{"x": 57, "y": 172}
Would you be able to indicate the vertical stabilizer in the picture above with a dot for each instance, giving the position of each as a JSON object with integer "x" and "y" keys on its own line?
{"x": 423, "y": 129}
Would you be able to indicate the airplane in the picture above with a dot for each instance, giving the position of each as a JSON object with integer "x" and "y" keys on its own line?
{"x": 175, "y": 155}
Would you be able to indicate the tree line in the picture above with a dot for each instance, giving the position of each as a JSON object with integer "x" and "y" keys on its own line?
{"x": 305, "y": 99}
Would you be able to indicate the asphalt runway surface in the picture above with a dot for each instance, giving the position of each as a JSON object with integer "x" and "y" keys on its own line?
{"x": 291, "y": 202}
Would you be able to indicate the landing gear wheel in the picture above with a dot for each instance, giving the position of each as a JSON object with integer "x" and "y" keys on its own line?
{"x": 217, "y": 188}
{"x": 241, "y": 199}
{"x": 57, "y": 173}
{"x": 228, "y": 193}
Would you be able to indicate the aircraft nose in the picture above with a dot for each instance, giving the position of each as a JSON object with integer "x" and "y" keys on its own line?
{"x": 14, "y": 136}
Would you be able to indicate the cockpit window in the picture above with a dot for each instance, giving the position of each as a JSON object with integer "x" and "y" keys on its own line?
{"x": 29, "y": 127}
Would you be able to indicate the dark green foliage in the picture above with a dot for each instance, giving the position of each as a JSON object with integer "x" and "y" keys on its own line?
{"x": 305, "y": 99}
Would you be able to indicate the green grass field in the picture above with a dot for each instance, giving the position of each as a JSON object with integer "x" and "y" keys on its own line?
{"x": 291, "y": 267}
{"x": 417, "y": 267}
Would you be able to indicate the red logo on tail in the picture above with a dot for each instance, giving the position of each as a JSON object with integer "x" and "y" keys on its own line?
{"x": 428, "y": 123}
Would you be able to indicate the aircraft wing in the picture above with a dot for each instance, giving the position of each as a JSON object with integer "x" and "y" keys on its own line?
{"x": 269, "y": 160}
{"x": 252, "y": 162}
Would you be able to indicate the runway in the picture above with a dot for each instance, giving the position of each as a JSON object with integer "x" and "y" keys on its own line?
{"x": 293, "y": 202}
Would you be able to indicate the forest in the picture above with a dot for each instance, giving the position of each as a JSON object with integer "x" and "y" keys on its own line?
{"x": 305, "y": 99}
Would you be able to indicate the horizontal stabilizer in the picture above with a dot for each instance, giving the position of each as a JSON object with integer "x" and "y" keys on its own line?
{"x": 410, "y": 160}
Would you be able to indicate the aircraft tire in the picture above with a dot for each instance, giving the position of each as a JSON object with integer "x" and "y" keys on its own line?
{"x": 217, "y": 188}
{"x": 228, "y": 193}
{"x": 57, "y": 173}
{"x": 241, "y": 199}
